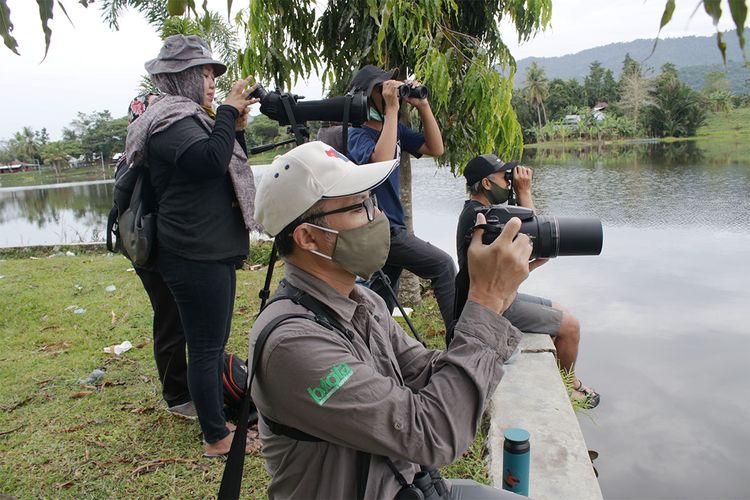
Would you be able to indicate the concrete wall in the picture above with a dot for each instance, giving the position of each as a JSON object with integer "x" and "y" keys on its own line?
{"x": 532, "y": 396}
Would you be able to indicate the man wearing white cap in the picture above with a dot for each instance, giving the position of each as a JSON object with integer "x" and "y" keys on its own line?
{"x": 350, "y": 405}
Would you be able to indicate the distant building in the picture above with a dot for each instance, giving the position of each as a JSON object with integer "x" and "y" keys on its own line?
{"x": 598, "y": 110}
{"x": 17, "y": 166}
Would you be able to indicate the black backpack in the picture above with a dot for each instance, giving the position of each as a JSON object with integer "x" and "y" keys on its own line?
{"x": 131, "y": 224}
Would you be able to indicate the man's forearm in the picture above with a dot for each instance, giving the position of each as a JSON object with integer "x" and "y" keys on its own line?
{"x": 385, "y": 149}
{"x": 433, "y": 139}
{"x": 526, "y": 200}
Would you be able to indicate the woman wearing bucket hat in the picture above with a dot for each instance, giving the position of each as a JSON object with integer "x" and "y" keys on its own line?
{"x": 198, "y": 166}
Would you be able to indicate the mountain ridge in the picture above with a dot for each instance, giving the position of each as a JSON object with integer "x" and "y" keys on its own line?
{"x": 697, "y": 52}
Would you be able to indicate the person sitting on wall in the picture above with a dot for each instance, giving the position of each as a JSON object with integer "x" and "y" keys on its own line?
{"x": 487, "y": 185}
{"x": 377, "y": 141}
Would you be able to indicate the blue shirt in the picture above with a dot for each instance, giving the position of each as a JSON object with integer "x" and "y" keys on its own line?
{"x": 361, "y": 144}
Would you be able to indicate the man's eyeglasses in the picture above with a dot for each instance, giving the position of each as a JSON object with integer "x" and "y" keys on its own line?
{"x": 369, "y": 205}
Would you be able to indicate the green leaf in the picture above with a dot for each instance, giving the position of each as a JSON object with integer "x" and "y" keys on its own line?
{"x": 665, "y": 18}
{"x": 45, "y": 14}
{"x": 229, "y": 8}
{"x": 722, "y": 47}
{"x": 713, "y": 9}
{"x": 738, "y": 8}
{"x": 6, "y": 27}
{"x": 667, "y": 14}
{"x": 62, "y": 7}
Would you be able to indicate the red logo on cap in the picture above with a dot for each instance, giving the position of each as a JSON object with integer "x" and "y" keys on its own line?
{"x": 335, "y": 154}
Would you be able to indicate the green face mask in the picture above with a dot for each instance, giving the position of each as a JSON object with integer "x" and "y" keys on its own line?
{"x": 362, "y": 250}
{"x": 375, "y": 114}
{"x": 497, "y": 194}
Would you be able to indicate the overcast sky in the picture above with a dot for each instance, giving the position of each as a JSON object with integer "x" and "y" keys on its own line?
{"x": 92, "y": 68}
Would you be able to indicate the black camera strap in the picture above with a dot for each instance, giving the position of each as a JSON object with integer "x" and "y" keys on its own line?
{"x": 387, "y": 282}
{"x": 345, "y": 123}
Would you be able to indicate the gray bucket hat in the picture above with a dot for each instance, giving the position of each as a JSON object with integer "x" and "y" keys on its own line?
{"x": 369, "y": 76}
{"x": 182, "y": 52}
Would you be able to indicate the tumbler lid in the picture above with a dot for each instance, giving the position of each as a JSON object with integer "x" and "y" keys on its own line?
{"x": 517, "y": 435}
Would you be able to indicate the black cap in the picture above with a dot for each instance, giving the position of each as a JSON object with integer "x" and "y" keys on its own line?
{"x": 368, "y": 76}
{"x": 481, "y": 166}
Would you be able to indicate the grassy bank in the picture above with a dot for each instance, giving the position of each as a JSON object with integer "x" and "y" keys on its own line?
{"x": 725, "y": 135}
{"x": 114, "y": 440}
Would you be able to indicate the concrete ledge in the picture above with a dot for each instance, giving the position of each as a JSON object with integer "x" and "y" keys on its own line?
{"x": 532, "y": 396}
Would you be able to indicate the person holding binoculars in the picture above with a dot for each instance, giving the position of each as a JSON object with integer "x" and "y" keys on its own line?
{"x": 376, "y": 141}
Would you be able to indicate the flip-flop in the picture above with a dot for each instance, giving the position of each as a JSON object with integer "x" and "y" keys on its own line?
{"x": 589, "y": 395}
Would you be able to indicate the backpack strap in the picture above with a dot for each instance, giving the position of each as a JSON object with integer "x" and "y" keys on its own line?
{"x": 231, "y": 481}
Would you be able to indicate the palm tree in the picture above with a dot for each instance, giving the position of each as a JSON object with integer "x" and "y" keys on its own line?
{"x": 536, "y": 89}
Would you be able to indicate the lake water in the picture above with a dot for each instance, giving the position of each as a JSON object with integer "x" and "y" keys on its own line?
{"x": 665, "y": 310}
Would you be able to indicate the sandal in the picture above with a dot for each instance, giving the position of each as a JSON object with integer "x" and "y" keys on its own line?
{"x": 588, "y": 395}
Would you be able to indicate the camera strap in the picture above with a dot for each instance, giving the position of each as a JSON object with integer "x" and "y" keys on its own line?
{"x": 345, "y": 123}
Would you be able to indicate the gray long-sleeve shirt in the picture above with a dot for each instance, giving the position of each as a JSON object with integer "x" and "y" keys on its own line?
{"x": 382, "y": 392}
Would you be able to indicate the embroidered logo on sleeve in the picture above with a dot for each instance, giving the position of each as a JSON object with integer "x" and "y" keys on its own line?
{"x": 331, "y": 383}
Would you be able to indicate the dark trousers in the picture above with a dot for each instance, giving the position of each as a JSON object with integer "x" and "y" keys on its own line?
{"x": 169, "y": 339}
{"x": 204, "y": 293}
{"x": 426, "y": 261}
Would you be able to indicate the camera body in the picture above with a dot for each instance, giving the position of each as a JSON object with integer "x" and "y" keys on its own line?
{"x": 419, "y": 91}
{"x": 551, "y": 236}
{"x": 259, "y": 93}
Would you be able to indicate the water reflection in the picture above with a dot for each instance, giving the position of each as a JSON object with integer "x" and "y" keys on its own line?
{"x": 54, "y": 214}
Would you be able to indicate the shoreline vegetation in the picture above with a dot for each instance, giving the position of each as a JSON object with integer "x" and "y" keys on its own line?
{"x": 115, "y": 439}
{"x": 724, "y": 134}
{"x": 728, "y": 127}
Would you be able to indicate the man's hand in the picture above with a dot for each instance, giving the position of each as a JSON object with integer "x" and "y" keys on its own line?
{"x": 522, "y": 179}
{"x": 390, "y": 96}
{"x": 496, "y": 270}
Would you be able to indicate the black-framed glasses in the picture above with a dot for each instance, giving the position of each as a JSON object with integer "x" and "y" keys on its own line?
{"x": 369, "y": 205}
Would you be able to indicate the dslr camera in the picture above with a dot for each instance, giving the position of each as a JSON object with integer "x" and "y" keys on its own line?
{"x": 551, "y": 236}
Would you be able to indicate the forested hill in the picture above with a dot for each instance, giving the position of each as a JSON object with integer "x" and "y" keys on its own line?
{"x": 694, "y": 57}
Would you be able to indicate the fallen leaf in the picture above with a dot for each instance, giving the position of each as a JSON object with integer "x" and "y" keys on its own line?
{"x": 81, "y": 394}
{"x": 44, "y": 383}
{"x": 66, "y": 485}
{"x": 114, "y": 318}
{"x": 2, "y": 433}
{"x": 57, "y": 346}
{"x": 95, "y": 442}
{"x": 157, "y": 464}
{"x": 9, "y": 408}
{"x": 256, "y": 267}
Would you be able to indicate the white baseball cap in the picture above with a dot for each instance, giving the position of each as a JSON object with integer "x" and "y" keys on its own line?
{"x": 306, "y": 174}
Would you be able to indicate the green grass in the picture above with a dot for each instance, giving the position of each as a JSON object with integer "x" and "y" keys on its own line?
{"x": 59, "y": 439}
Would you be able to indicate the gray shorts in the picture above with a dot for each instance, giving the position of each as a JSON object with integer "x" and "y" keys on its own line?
{"x": 533, "y": 314}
